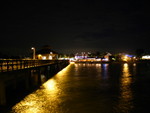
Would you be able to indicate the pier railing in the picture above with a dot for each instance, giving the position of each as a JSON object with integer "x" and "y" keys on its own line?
{"x": 16, "y": 64}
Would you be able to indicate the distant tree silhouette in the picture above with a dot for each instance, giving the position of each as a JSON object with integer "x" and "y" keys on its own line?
{"x": 139, "y": 53}
{"x": 3, "y": 56}
{"x": 71, "y": 55}
{"x": 98, "y": 54}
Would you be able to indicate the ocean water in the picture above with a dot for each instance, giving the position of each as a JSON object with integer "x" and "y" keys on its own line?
{"x": 92, "y": 88}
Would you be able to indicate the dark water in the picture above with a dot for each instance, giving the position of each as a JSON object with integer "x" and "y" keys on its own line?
{"x": 92, "y": 88}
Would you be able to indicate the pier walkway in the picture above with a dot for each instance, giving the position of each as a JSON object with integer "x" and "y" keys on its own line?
{"x": 15, "y": 64}
{"x": 26, "y": 73}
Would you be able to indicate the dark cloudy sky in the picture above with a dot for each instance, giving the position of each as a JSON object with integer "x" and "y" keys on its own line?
{"x": 75, "y": 25}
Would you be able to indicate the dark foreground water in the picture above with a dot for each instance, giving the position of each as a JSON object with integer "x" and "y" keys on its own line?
{"x": 92, "y": 88}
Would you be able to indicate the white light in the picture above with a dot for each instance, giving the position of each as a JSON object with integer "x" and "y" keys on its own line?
{"x": 146, "y": 57}
{"x": 50, "y": 57}
{"x": 33, "y": 52}
{"x": 44, "y": 57}
{"x": 105, "y": 59}
{"x": 32, "y": 48}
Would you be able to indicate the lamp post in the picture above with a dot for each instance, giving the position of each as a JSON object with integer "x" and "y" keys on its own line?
{"x": 33, "y": 52}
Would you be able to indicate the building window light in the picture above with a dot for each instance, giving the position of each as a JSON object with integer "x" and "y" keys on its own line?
{"x": 44, "y": 57}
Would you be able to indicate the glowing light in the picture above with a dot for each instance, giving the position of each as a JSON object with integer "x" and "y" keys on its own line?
{"x": 134, "y": 64}
{"x": 44, "y": 57}
{"x": 113, "y": 59}
{"x": 146, "y": 57}
{"x": 105, "y": 59}
{"x": 125, "y": 103}
{"x": 33, "y": 52}
{"x": 47, "y": 96}
{"x": 63, "y": 70}
{"x": 71, "y": 62}
{"x": 32, "y": 48}
{"x": 98, "y": 65}
{"x": 125, "y": 66}
{"x": 99, "y": 59}
{"x": 50, "y": 85}
{"x": 125, "y": 58}
{"x": 39, "y": 56}
{"x": 50, "y": 57}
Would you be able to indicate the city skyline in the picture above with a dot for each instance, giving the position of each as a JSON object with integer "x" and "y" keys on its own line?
{"x": 75, "y": 26}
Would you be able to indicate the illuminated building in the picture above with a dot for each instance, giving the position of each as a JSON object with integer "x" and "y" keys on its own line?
{"x": 46, "y": 54}
{"x": 127, "y": 57}
{"x": 83, "y": 55}
{"x": 146, "y": 57}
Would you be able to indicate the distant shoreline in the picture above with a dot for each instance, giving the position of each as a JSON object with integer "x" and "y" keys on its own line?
{"x": 140, "y": 61}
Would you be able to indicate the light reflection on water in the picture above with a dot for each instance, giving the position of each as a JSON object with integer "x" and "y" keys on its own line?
{"x": 84, "y": 88}
{"x": 104, "y": 71}
{"x": 126, "y": 97}
{"x": 44, "y": 100}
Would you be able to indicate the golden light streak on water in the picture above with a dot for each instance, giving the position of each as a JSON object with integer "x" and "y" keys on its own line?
{"x": 98, "y": 65}
{"x": 126, "y": 96}
{"x": 44, "y": 100}
{"x": 91, "y": 88}
{"x": 134, "y": 64}
{"x": 65, "y": 70}
{"x": 50, "y": 85}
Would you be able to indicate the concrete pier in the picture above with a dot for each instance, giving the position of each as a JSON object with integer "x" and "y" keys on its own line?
{"x": 27, "y": 78}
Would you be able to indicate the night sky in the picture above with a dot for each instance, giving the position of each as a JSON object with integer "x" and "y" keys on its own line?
{"x": 75, "y": 26}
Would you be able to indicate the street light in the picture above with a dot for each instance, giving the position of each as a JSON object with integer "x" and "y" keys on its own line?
{"x": 33, "y": 52}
